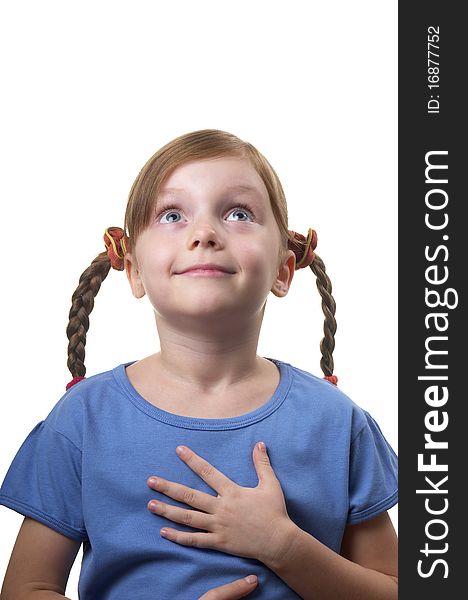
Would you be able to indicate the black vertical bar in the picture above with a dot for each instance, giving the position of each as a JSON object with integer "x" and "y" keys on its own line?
{"x": 433, "y": 269}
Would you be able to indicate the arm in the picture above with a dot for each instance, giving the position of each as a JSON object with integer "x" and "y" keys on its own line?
{"x": 40, "y": 563}
{"x": 366, "y": 569}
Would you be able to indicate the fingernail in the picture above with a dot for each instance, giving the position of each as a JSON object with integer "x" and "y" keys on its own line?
{"x": 181, "y": 450}
{"x": 261, "y": 446}
{"x": 251, "y": 579}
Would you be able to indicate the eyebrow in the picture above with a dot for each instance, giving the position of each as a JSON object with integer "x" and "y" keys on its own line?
{"x": 231, "y": 188}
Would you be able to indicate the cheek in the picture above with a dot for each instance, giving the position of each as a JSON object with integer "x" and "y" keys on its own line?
{"x": 261, "y": 261}
{"x": 152, "y": 270}
{"x": 156, "y": 255}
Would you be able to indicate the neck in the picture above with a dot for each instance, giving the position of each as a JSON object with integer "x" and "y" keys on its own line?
{"x": 208, "y": 359}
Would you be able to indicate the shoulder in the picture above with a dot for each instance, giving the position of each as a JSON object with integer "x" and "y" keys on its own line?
{"x": 326, "y": 399}
{"x": 82, "y": 401}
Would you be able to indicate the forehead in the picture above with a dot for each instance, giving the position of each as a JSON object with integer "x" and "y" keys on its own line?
{"x": 215, "y": 175}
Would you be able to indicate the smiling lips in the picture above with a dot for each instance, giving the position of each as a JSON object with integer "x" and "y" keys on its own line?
{"x": 206, "y": 270}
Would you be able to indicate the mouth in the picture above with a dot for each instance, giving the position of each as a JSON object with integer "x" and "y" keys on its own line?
{"x": 205, "y": 273}
{"x": 206, "y": 270}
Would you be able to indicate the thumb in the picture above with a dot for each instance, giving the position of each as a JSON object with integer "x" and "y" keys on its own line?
{"x": 232, "y": 591}
{"x": 262, "y": 462}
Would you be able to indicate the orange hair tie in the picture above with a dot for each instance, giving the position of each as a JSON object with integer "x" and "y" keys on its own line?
{"x": 332, "y": 379}
{"x": 114, "y": 239}
{"x": 304, "y": 256}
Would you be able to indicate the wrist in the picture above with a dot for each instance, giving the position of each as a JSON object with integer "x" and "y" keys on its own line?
{"x": 281, "y": 545}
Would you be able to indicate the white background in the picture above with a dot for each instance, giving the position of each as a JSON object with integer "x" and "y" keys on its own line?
{"x": 92, "y": 89}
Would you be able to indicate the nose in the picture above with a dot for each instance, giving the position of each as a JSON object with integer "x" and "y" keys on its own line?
{"x": 204, "y": 234}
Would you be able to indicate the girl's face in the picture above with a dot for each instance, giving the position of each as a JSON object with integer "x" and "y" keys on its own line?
{"x": 210, "y": 211}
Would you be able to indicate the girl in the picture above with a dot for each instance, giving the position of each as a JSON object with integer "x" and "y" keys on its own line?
{"x": 156, "y": 465}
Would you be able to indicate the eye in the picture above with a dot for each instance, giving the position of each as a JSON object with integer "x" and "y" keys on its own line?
{"x": 168, "y": 211}
{"x": 243, "y": 208}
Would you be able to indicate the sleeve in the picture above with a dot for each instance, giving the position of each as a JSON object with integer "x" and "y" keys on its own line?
{"x": 44, "y": 482}
{"x": 373, "y": 477}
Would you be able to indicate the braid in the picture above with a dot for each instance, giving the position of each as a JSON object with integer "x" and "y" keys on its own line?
{"x": 327, "y": 345}
{"x": 82, "y": 306}
{"x": 303, "y": 249}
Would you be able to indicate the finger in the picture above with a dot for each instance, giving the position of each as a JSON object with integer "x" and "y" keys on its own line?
{"x": 194, "y": 540}
{"x": 262, "y": 463}
{"x": 214, "y": 478}
{"x": 231, "y": 591}
{"x": 192, "y": 518}
{"x": 183, "y": 493}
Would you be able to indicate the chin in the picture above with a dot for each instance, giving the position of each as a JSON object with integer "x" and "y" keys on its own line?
{"x": 196, "y": 307}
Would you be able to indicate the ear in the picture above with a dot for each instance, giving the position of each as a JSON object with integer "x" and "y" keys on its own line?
{"x": 285, "y": 274}
{"x": 133, "y": 275}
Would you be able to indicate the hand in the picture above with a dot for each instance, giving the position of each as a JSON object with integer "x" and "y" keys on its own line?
{"x": 248, "y": 522}
{"x": 230, "y": 591}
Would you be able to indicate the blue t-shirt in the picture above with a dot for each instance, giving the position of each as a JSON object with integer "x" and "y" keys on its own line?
{"x": 83, "y": 473}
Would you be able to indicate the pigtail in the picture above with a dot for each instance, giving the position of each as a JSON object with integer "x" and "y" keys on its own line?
{"x": 82, "y": 306}
{"x": 303, "y": 249}
{"x": 324, "y": 286}
{"x": 83, "y": 299}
